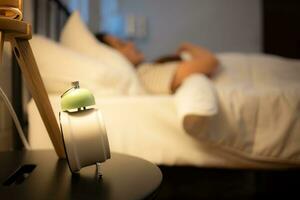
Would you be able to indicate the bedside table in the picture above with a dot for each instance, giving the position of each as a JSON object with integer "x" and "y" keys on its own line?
{"x": 44, "y": 176}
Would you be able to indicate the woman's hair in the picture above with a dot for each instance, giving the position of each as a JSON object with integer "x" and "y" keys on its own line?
{"x": 168, "y": 58}
{"x": 101, "y": 37}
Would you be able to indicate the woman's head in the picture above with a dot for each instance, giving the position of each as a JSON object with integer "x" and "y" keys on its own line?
{"x": 127, "y": 48}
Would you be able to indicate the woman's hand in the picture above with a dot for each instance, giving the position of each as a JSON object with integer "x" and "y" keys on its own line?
{"x": 203, "y": 61}
{"x": 197, "y": 52}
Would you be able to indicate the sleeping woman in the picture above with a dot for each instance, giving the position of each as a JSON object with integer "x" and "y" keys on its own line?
{"x": 166, "y": 74}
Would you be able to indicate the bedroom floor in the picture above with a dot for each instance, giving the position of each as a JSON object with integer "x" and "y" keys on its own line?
{"x": 203, "y": 183}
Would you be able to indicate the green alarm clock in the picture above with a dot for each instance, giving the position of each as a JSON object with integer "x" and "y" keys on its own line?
{"x": 83, "y": 129}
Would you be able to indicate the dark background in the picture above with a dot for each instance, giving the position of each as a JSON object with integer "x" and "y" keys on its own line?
{"x": 281, "y": 27}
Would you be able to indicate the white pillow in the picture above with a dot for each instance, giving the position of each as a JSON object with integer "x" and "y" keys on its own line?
{"x": 77, "y": 36}
{"x": 59, "y": 66}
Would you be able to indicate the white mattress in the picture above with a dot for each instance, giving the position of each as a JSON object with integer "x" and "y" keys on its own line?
{"x": 148, "y": 126}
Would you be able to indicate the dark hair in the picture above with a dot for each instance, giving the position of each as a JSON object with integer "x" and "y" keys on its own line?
{"x": 168, "y": 58}
{"x": 101, "y": 37}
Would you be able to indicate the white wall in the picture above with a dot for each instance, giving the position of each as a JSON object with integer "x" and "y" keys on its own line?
{"x": 94, "y": 15}
{"x": 89, "y": 10}
{"x": 221, "y": 25}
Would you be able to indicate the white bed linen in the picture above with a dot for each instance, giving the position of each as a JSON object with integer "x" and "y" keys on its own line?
{"x": 259, "y": 107}
{"x": 147, "y": 127}
{"x": 259, "y": 101}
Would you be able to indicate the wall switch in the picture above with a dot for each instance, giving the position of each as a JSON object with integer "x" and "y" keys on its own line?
{"x": 135, "y": 26}
{"x": 141, "y": 27}
{"x": 130, "y": 28}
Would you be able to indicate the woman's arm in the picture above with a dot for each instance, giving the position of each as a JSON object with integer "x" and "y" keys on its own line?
{"x": 203, "y": 61}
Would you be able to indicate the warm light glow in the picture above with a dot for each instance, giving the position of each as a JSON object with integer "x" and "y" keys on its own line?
{"x": 11, "y": 9}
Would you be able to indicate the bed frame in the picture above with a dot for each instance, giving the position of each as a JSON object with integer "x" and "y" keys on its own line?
{"x": 180, "y": 182}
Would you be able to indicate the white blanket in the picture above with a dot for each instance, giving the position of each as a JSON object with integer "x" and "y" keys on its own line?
{"x": 259, "y": 108}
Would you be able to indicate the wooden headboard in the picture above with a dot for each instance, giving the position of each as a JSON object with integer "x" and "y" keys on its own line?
{"x": 49, "y": 17}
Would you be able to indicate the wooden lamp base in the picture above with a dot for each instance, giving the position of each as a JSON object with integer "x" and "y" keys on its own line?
{"x": 18, "y": 33}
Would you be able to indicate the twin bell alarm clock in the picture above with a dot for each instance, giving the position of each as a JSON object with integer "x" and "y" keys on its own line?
{"x": 83, "y": 130}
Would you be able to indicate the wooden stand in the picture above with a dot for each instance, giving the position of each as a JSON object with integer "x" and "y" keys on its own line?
{"x": 18, "y": 33}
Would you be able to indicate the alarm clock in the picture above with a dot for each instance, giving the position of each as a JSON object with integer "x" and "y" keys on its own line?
{"x": 83, "y": 129}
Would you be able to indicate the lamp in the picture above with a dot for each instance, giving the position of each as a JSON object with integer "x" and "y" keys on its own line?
{"x": 84, "y": 140}
{"x": 11, "y": 9}
{"x": 18, "y": 32}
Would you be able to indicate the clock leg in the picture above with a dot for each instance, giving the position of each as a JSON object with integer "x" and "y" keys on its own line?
{"x": 98, "y": 171}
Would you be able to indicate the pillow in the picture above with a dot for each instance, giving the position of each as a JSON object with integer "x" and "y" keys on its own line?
{"x": 76, "y": 36}
{"x": 59, "y": 66}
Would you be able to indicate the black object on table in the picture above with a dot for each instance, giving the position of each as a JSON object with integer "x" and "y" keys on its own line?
{"x": 44, "y": 176}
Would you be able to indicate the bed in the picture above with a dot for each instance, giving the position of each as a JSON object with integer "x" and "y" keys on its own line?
{"x": 150, "y": 127}
{"x": 258, "y": 116}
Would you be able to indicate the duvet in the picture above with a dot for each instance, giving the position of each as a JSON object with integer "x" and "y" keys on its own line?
{"x": 258, "y": 108}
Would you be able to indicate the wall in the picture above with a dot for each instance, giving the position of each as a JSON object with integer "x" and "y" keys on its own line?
{"x": 89, "y": 10}
{"x": 221, "y": 25}
{"x": 94, "y": 15}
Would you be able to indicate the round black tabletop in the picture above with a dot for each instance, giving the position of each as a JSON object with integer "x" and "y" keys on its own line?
{"x": 124, "y": 177}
